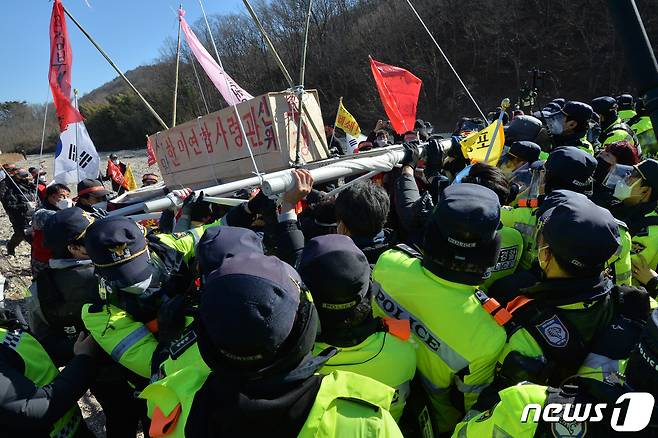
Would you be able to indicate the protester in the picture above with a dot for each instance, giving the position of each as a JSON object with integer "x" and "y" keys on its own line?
{"x": 114, "y": 172}
{"x": 149, "y": 179}
{"x": 56, "y": 197}
{"x": 39, "y": 176}
{"x": 19, "y": 201}
{"x": 92, "y": 197}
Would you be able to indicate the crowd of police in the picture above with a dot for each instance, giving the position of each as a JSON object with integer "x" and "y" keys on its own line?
{"x": 439, "y": 299}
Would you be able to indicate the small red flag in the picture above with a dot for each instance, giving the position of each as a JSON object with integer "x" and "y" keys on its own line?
{"x": 398, "y": 90}
{"x": 150, "y": 153}
{"x": 61, "y": 60}
{"x": 116, "y": 175}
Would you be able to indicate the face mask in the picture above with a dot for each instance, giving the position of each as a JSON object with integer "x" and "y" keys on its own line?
{"x": 138, "y": 288}
{"x": 555, "y": 125}
{"x": 64, "y": 203}
{"x": 380, "y": 143}
{"x": 115, "y": 162}
{"x": 623, "y": 190}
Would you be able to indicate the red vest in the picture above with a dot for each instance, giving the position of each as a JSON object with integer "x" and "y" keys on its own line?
{"x": 39, "y": 252}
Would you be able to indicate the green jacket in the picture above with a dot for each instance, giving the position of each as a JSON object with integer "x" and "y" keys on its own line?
{"x": 524, "y": 220}
{"x": 646, "y": 135}
{"x": 40, "y": 369}
{"x": 448, "y": 359}
{"x": 373, "y": 358}
{"x": 511, "y": 252}
{"x": 347, "y": 405}
{"x": 617, "y": 131}
{"x": 185, "y": 242}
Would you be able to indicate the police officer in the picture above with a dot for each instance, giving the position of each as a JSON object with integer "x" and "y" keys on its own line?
{"x": 626, "y": 104}
{"x": 458, "y": 342}
{"x": 58, "y": 295}
{"x": 257, "y": 327}
{"x": 638, "y": 193}
{"x": 639, "y": 375}
{"x": 338, "y": 275}
{"x": 136, "y": 278}
{"x": 553, "y": 323}
{"x": 566, "y": 168}
{"x": 643, "y": 129}
{"x": 36, "y": 399}
{"x": 568, "y": 125}
{"x": 520, "y": 153}
{"x": 612, "y": 127}
{"x": 528, "y": 128}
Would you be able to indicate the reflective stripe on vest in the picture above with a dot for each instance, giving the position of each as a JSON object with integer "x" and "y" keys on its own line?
{"x": 127, "y": 342}
{"x": 435, "y": 344}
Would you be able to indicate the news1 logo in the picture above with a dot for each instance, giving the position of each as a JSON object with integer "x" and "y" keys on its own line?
{"x": 637, "y": 412}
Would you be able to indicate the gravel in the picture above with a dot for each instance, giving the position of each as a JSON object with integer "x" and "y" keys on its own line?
{"x": 16, "y": 269}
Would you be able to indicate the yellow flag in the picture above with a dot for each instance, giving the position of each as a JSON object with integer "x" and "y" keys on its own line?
{"x": 475, "y": 146}
{"x": 347, "y": 122}
{"x": 129, "y": 178}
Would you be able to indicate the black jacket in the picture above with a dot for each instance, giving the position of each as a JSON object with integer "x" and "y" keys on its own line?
{"x": 224, "y": 408}
{"x": 16, "y": 201}
{"x": 29, "y": 410}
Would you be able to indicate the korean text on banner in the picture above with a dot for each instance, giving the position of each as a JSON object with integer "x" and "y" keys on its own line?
{"x": 475, "y": 146}
{"x": 61, "y": 63}
{"x": 347, "y": 122}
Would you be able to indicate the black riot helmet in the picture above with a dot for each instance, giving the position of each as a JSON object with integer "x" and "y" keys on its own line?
{"x": 527, "y": 128}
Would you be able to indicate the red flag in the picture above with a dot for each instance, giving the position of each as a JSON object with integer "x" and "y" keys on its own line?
{"x": 398, "y": 90}
{"x": 150, "y": 153}
{"x": 116, "y": 175}
{"x": 61, "y": 60}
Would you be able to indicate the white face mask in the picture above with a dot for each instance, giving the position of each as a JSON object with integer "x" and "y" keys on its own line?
{"x": 623, "y": 190}
{"x": 138, "y": 288}
{"x": 555, "y": 125}
{"x": 64, "y": 203}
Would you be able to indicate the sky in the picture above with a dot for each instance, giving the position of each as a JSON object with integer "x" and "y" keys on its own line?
{"x": 130, "y": 31}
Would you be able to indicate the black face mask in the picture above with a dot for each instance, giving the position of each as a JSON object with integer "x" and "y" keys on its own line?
{"x": 602, "y": 169}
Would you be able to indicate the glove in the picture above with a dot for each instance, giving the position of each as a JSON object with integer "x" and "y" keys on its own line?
{"x": 411, "y": 155}
{"x": 171, "y": 319}
{"x": 433, "y": 158}
{"x": 261, "y": 204}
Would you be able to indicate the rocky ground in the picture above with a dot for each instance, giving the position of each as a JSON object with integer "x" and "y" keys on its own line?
{"x": 16, "y": 269}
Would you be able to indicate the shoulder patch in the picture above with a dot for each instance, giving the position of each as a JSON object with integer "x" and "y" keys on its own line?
{"x": 180, "y": 345}
{"x": 180, "y": 235}
{"x": 554, "y": 332}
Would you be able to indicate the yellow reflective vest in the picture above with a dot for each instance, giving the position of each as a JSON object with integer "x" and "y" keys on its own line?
{"x": 347, "y": 404}
{"x": 458, "y": 341}
{"x": 382, "y": 357}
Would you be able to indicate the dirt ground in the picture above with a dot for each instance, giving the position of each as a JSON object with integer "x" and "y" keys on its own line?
{"x": 16, "y": 269}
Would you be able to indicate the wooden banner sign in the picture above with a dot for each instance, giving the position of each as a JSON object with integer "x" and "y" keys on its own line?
{"x": 211, "y": 149}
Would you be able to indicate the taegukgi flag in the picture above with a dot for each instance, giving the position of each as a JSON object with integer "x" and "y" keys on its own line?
{"x": 75, "y": 157}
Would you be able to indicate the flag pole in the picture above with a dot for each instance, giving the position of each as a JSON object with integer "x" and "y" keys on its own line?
{"x": 504, "y": 105}
{"x": 278, "y": 60}
{"x": 77, "y": 152}
{"x": 173, "y": 116}
{"x": 43, "y": 139}
{"x": 228, "y": 87}
{"x": 300, "y": 88}
{"x": 447, "y": 60}
{"x": 333, "y": 133}
{"x": 117, "y": 69}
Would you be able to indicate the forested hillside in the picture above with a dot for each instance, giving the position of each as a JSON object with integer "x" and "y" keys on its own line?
{"x": 492, "y": 44}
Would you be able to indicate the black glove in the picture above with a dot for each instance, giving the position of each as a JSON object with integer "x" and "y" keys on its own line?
{"x": 171, "y": 319}
{"x": 411, "y": 155}
{"x": 193, "y": 199}
{"x": 261, "y": 204}
{"x": 433, "y": 158}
